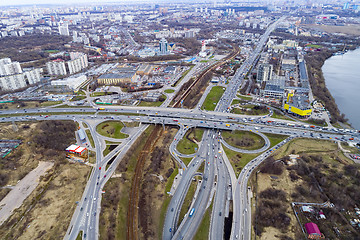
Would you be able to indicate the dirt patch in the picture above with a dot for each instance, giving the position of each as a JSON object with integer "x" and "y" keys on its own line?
{"x": 22, "y": 189}
{"x": 46, "y": 212}
{"x": 350, "y": 29}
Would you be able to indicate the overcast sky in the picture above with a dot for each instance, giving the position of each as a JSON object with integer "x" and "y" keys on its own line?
{"x": 37, "y": 2}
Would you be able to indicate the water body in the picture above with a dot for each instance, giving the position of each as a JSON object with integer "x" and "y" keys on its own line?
{"x": 342, "y": 78}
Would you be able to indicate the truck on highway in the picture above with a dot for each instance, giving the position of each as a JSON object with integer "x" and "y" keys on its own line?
{"x": 101, "y": 108}
{"x": 192, "y": 212}
{"x": 227, "y": 125}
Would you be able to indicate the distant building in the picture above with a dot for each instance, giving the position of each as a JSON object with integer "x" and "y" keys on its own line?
{"x": 313, "y": 231}
{"x": 189, "y": 34}
{"x": 64, "y": 30}
{"x": 163, "y": 47}
{"x": 146, "y": 52}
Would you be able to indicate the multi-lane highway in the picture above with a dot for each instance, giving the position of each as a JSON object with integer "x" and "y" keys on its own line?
{"x": 86, "y": 215}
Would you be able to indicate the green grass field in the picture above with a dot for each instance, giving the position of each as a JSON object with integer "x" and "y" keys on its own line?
{"x": 111, "y": 129}
{"x": 169, "y": 91}
{"x": 213, "y": 98}
{"x": 243, "y": 139}
{"x": 238, "y": 160}
{"x": 185, "y": 146}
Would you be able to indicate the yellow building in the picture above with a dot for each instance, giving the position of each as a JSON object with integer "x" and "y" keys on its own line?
{"x": 298, "y": 104}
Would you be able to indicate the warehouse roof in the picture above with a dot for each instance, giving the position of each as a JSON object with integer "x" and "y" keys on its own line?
{"x": 312, "y": 229}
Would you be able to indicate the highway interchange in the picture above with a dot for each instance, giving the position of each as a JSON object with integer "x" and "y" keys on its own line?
{"x": 219, "y": 184}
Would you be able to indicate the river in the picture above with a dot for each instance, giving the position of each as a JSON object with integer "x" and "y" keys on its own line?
{"x": 342, "y": 78}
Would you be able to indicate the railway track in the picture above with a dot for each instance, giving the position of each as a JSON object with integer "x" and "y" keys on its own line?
{"x": 133, "y": 213}
{"x": 235, "y": 52}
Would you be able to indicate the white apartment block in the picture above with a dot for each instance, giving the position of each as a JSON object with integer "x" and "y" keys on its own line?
{"x": 33, "y": 76}
{"x": 9, "y": 68}
{"x": 56, "y": 68}
{"x": 78, "y": 56}
{"x": 12, "y": 82}
{"x": 64, "y": 30}
{"x": 74, "y": 65}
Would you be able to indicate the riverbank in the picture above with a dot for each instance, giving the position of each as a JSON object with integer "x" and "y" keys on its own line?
{"x": 341, "y": 73}
{"x": 315, "y": 61}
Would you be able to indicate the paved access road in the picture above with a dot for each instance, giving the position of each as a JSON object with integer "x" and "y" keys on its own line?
{"x": 22, "y": 190}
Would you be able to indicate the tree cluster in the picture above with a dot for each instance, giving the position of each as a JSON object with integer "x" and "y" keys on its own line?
{"x": 271, "y": 166}
{"x": 271, "y": 211}
{"x": 54, "y": 135}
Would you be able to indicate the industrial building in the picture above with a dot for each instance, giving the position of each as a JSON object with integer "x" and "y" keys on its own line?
{"x": 74, "y": 83}
{"x": 82, "y": 135}
{"x": 298, "y": 104}
{"x": 144, "y": 69}
{"x": 116, "y": 78}
{"x": 264, "y": 73}
{"x": 274, "y": 88}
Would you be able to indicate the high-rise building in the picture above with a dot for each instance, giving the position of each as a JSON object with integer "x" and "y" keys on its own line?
{"x": 33, "y": 76}
{"x": 82, "y": 57}
{"x": 74, "y": 66}
{"x": 12, "y": 76}
{"x": 264, "y": 73}
{"x": 163, "y": 45}
{"x": 189, "y": 34}
{"x": 12, "y": 82}
{"x": 64, "y": 30}
{"x": 56, "y": 67}
{"x": 9, "y": 68}
{"x": 75, "y": 36}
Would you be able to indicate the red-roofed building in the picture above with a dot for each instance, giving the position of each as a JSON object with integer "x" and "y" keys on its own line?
{"x": 76, "y": 150}
{"x": 313, "y": 231}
